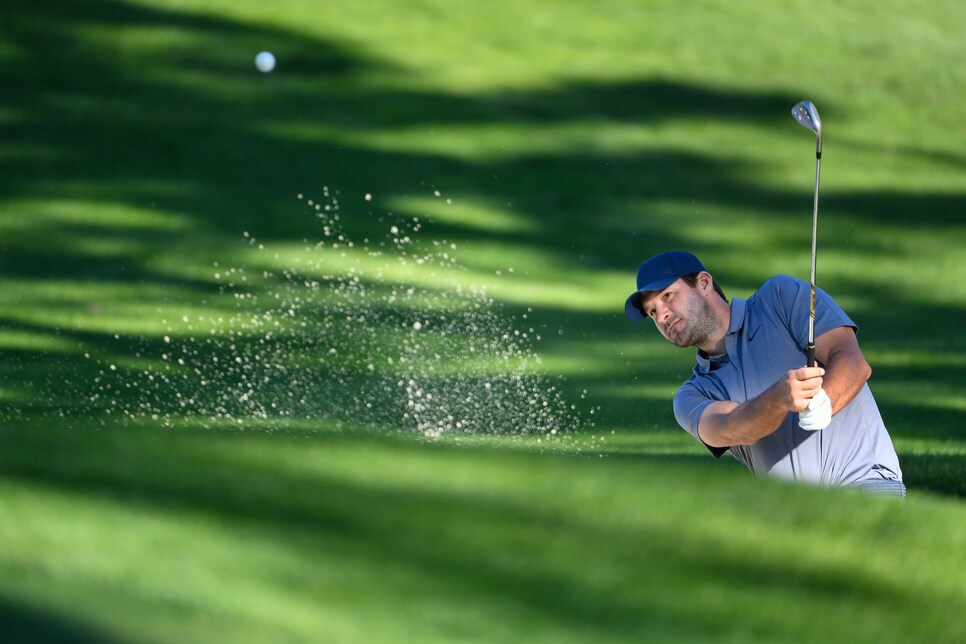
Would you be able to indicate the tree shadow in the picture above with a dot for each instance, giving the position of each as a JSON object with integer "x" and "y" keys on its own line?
{"x": 215, "y": 157}
{"x": 457, "y": 537}
{"x": 936, "y": 473}
{"x": 22, "y": 623}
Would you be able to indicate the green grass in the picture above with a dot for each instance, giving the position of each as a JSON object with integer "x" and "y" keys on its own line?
{"x": 150, "y": 211}
{"x": 191, "y": 535}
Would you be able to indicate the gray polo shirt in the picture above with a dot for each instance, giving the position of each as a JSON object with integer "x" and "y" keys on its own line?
{"x": 766, "y": 340}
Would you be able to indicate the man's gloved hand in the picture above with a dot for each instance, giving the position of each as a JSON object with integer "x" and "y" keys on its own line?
{"x": 819, "y": 413}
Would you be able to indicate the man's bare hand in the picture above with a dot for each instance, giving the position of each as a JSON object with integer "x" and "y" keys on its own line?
{"x": 800, "y": 386}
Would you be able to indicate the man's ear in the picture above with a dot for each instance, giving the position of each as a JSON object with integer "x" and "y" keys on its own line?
{"x": 705, "y": 282}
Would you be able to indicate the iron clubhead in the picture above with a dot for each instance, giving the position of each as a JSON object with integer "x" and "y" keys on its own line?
{"x": 807, "y": 114}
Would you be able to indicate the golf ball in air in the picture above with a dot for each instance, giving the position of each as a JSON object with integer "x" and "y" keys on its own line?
{"x": 265, "y": 61}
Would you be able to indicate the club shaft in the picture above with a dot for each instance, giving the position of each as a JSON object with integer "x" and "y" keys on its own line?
{"x": 810, "y": 349}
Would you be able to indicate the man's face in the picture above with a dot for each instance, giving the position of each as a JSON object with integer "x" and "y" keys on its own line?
{"x": 681, "y": 314}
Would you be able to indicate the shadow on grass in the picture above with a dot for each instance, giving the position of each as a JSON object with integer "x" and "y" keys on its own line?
{"x": 26, "y": 623}
{"x": 208, "y": 152}
{"x": 607, "y": 574}
{"x": 937, "y": 473}
{"x": 87, "y": 126}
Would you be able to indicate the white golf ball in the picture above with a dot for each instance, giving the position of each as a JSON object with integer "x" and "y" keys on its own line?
{"x": 265, "y": 61}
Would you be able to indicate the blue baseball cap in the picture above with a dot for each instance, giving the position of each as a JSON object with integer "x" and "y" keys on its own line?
{"x": 656, "y": 274}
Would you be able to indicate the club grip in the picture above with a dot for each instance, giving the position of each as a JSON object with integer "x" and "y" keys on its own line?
{"x": 810, "y": 354}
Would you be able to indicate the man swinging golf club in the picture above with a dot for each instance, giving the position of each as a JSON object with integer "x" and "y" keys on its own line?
{"x": 757, "y": 390}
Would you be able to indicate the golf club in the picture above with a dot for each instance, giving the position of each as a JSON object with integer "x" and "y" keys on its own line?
{"x": 807, "y": 114}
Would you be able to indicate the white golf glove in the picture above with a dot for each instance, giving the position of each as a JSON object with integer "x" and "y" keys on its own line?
{"x": 819, "y": 413}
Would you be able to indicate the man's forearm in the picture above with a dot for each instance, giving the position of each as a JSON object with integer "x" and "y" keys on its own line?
{"x": 745, "y": 423}
{"x": 725, "y": 423}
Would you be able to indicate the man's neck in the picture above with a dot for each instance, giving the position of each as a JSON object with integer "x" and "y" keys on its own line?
{"x": 715, "y": 345}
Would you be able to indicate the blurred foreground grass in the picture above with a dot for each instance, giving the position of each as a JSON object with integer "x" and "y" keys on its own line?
{"x": 554, "y": 145}
{"x": 204, "y": 536}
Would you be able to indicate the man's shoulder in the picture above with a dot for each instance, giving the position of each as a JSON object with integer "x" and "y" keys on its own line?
{"x": 778, "y": 287}
{"x": 783, "y": 282}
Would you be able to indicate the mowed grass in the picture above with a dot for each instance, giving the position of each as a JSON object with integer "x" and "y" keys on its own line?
{"x": 554, "y": 145}
{"x": 202, "y": 535}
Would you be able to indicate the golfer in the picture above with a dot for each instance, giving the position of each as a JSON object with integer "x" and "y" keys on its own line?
{"x": 750, "y": 392}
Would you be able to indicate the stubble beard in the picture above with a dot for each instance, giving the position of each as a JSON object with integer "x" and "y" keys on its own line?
{"x": 700, "y": 324}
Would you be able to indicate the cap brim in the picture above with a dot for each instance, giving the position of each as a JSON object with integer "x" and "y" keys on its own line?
{"x": 632, "y": 307}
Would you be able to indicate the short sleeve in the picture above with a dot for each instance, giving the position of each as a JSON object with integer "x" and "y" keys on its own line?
{"x": 689, "y": 404}
{"x": 792, "y": 296}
